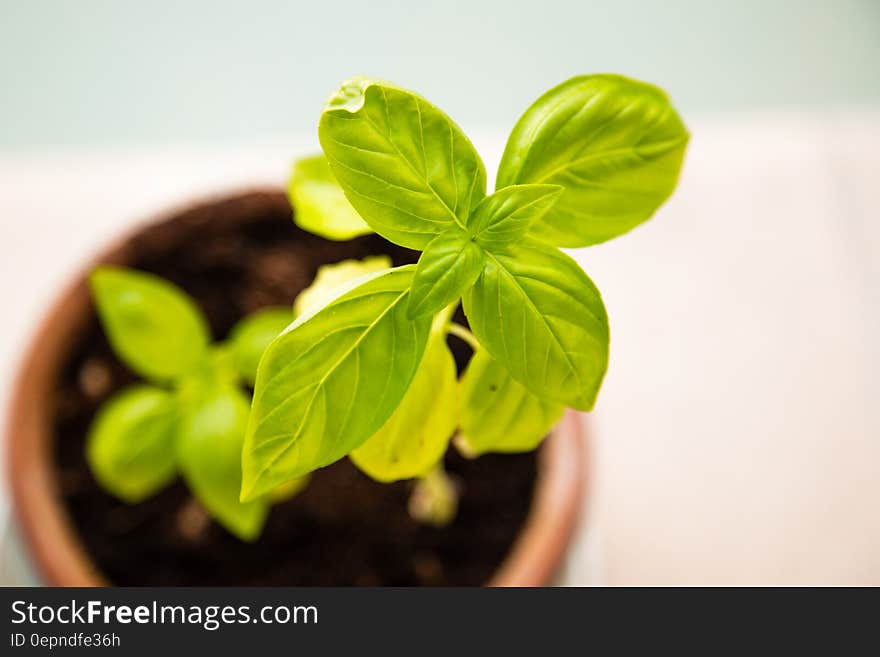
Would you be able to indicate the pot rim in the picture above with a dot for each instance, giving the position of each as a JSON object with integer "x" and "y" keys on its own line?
{"x": 51, "y": 540}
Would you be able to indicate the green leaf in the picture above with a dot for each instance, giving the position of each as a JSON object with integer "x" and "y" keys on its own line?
{"x": 616, "y": 145}
{"x": 404, "y": 165}
{"x": 288, "y": 490}
{"x": 130, "y": 446}
{"x": 209, "y": 454}
{"x": 330, "y": 279}
{"x": 250, "y": 337}
{"x": 507, "y": 215}
{"x": 152, "y": 325}
{"x": 448, "y": 266}
{"x": 331, "y": 381}
{"x": 217, "y": 367}
{"x": 416, "y": 436}
{"x": 538, "y": 314}
{"x": 319, "y": 204}
{"x": 498, "y": 414}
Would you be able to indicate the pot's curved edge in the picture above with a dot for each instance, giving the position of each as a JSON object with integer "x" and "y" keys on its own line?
{"x": 61, "y": 559}
{"x": 41, "y": 522}
{"x": 539, "y": 551}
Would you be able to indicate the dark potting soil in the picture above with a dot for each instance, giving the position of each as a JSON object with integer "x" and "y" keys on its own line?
{"x": 344, "y": 529}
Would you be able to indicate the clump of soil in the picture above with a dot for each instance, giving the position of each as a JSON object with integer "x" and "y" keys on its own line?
{"x": 235, "y": 257}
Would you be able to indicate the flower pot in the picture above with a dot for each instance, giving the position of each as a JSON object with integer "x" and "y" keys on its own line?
{"x": 234, "y": 255}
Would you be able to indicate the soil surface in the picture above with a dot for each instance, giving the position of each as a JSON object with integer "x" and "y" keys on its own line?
{"x": 344, "y": 529}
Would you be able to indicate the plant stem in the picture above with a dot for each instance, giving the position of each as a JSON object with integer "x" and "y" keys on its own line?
{"x": 444, "y": 318}
{"x": 463, "y": 447}
{"x": 434, "y": 499}
{"x": 461, "y": 332}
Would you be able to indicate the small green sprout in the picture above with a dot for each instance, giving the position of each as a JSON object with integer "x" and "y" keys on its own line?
{"x": 190, "y": 417}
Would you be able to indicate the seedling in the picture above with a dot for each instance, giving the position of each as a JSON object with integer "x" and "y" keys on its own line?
{"x": 368, "y": 373}
{"x": 189, "y": 418}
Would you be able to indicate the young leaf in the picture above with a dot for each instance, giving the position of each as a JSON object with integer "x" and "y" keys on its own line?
{"x": 153, "y": 326}
{"x": 448, "y": 266}
{"x": 416, "y": 436}
{"x": 332, "y": 278}
{"x": 217, "y": 368}
{"x": 507, "y": 215}
{"x": 538, "y": 314}
{"x": 331, "y": 381}
{"x": 319, "y": 204}
{"x": 209, "y": 454}
{"x": 405, "y": 166}
{"x": 497, "y": 413}
{"x": 616, "y": 145}
{"x": 250, "y": 337}
{"x": 130, "y": 446}
{"x": 288, "y": 490}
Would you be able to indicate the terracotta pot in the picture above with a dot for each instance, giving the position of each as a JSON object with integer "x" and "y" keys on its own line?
{"x": 53, "y": 543}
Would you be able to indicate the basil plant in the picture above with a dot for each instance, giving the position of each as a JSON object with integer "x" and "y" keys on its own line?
{"x": 360, "y": 366}
{"x": 367, "y": 373}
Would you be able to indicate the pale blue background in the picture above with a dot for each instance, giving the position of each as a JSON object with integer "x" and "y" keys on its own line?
{"x": 86, "y": 72}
